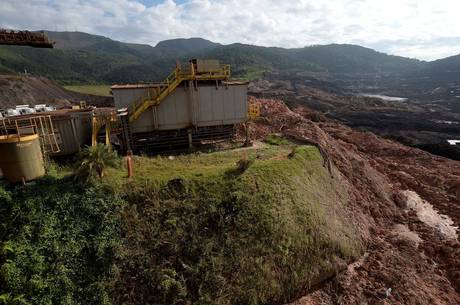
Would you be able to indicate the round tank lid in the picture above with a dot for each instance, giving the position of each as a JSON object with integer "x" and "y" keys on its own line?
{"x": 16, "y": 138}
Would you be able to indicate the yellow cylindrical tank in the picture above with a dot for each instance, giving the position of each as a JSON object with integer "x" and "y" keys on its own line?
{"x": 21, "y": 157}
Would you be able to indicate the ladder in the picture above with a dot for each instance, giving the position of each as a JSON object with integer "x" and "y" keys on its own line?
{"x": 45, "y": 130}
{"x": 154, "y": 96}
{"x": 127, "y": 138}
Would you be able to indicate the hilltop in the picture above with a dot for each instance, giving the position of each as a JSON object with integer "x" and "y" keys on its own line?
{"x": 86, "y": 58}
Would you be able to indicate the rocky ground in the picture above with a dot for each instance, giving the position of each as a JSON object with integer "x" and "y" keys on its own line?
{"x": 404, "y": 202}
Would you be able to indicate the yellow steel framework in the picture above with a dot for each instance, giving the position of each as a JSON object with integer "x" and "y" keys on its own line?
{"x": 100, "y": 120}
{"x": 40, "y": 125}
{"x": 154, "y": 96}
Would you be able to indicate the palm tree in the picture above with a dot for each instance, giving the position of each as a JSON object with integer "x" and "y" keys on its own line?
{"x": 93, "y": 160}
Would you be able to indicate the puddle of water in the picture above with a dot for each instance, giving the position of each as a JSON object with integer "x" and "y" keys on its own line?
{"x": 428, "y": 215}
{"x": 385, "y": 97}
{"x": 446, "y": 122}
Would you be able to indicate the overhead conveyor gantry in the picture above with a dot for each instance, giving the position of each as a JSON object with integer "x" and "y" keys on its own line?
{"x": 25, "y": 38}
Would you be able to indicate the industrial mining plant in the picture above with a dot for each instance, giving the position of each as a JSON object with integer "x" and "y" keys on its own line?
{"x": 193, "y": 104}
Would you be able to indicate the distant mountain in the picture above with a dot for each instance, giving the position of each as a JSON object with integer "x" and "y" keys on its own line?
{"x": 182, "y": 46}
{"x": 95, "y": 43}
{"x": 442, "y": 70}
{"x": 439, "y": 79}
{"x": 78, "y": 40}
{"x": 334, "y": 58}
{"x": 448, "y": 63}
{"x": 346, "y": 58}
{"x": 86, "y": 58}
{"x": 250, "y": 61}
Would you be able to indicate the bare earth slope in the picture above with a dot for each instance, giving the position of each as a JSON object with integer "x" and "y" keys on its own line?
{"x": 404, "y": 202}
{"x": 31, "y": 90}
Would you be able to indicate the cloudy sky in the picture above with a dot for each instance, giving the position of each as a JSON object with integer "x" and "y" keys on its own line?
{"x": 424, "y": 29}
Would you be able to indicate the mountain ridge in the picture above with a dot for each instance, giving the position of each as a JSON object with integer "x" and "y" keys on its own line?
{"x": 86, "y": 58}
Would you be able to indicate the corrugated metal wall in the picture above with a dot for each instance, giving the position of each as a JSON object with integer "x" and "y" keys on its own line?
{"x": 186, "y": 107}
{"x": 71, "y": 133}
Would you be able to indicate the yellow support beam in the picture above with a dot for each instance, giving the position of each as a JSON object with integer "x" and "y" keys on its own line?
{"x": 98, "y": 122}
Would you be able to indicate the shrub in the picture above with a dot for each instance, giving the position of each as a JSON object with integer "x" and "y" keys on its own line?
{"x": 93, "y": 160}
{"x": 243, "y": 164}
{"x": 58, "y": 242}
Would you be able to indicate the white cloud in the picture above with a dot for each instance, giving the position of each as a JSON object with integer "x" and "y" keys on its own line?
{"x": 427, "y": 29}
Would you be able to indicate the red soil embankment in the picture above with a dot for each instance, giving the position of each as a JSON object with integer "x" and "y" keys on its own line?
{"x": 407, "y": 260}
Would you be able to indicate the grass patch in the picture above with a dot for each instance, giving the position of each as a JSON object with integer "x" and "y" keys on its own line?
{"x": 101, "y": 90}
{"x": 275, "y": 139}
{"x": 225, "y": 236}
{"x": 161, "y": 169}
{"x": 250, "y": 73}
{"x": 253, "y": 74}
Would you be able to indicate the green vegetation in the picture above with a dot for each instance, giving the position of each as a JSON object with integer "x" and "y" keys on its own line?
{"x": 160, "y": 169}
{"x": 251, "y": 73}
{"x": 101, "y": 90}
{"x": 275, "y": 139}
{"x": 83, "y": 58}
{"x": 93, "y": 161}
{"x": 247, "y": 226}
{"x": 223, "y": 235}
{"x": 58, "y": 242}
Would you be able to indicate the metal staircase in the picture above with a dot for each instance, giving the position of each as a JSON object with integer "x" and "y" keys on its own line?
{"x": 154, "y": 96}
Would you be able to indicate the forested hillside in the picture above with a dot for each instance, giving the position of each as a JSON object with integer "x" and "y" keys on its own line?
{"x": 85, "y": 58}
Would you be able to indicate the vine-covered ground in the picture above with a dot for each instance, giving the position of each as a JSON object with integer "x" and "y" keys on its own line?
{"x": 254, "y": 225}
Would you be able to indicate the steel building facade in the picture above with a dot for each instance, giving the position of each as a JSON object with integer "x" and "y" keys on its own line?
{"x": 190, "y": 105}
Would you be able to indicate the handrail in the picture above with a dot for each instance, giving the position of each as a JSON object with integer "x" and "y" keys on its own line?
{"x": 40, "y": 125}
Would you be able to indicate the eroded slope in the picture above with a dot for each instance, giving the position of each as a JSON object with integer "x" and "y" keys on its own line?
{"x": 407, "y": 261}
